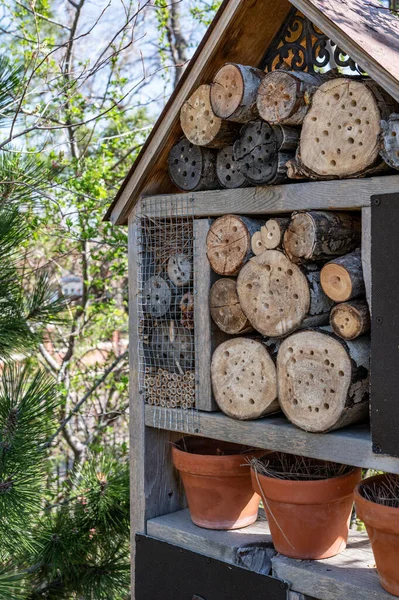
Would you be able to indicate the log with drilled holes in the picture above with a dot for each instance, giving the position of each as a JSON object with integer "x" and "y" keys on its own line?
{"x": 350, "y": 320}
{"x": 270, "y": 236}
{"x": 225, "y": 307}
{"x": 179, "y": 269}
{"x": 342, "y": 278}
{"x": 318, "y": 235}
{"x": 227, "y": 170}
{"x": 192, "y": 168}
{"x": 340, "y": 136}
{"x": 284, "y": 97}
{"x": 233, "y": 92}
{"x": 157, "y": 296}
{"x": 262, "y": 151}
{"x": 201, "y": 126}
{"x": 323, "y": 381}
{"x": 277, "y": 296}
{"x": 229, "y": 243}
{"x": 390, "y": 141}
{"x": 244, "y": 379}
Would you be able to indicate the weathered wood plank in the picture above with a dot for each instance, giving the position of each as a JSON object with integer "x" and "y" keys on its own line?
{"x": 351, "y": 445}
{"x": 316, "y": 195}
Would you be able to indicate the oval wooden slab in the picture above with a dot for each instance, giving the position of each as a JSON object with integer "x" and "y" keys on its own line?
{"x": 225, "y": 307}
{"x": 228, "y": 243}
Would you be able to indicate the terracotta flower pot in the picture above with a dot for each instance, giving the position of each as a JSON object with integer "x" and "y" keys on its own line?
{"x": 308, "y": 519}
{"x": 217, "y": 482}
{"x": 382, "y": 524}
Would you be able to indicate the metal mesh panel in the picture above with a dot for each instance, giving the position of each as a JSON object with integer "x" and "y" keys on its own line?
{"x": 166, "y": 352}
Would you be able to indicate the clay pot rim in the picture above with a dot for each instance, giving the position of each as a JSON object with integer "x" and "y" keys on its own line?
{"x": 376, "y": 512}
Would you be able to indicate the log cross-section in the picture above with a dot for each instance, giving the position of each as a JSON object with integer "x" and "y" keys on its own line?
{"x": 349, "y": 320}
{"x": 228, "y": 170}
{"x": 233, "y": 92}
{"x": 342, "y": 278}
{"x": 192, "y": 168}
{"x": 225, "y": 307}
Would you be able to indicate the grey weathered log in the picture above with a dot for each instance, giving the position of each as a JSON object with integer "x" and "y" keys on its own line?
{"x": 323, "y": 381}
{"x": 157, "y": 296}
{"x": 390, "y": 141}
{"x": 192, "y": 168}
{"x": 228, "y": 171}
{"x": 350, "y": 320}
{"x": 172, "y": 347}
{"x": 284, "y": 97}
{"x": 179, "y": 269}
{"x": 229, "y": 243}
{"x": 342, "y": 278}
{"x": 318, "y": 235}
{"x": 233, "y": 92}
{"x": 225, "y": 307}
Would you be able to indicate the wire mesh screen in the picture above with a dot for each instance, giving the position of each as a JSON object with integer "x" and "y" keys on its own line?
{"x": 166, "y": 352}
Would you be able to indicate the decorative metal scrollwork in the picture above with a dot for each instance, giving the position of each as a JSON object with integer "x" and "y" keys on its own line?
{"x": 301, "y": 46}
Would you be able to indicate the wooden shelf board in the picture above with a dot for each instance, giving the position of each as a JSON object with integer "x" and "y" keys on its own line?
{"x": 351, "y": 445}
{"x": 350, "y": 575}
{"x": 342, "y": 194}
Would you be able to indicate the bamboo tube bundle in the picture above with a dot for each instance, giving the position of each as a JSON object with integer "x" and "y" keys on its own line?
{"x": 228, "y": 170}
{"x": 229, "y": 243}
{"x": 192, "y": 168}
{"x": 244, "y": 379}
{"x": 278, "y": 297}
{"x": 201, "y": 126}
{"x": 263, "y": 150}
{"x": 342, "y": 278}
{"x": 225, "y": 307}
{"x": 270, "y": 235}
{"x": 340, "y": 136}
{"x": 233, "y": 92}
{"x": 350, "y": 320}
{"x": 321, "y": 235}
{"x": 284, "y": 97}
{"x": 323, "y": 381}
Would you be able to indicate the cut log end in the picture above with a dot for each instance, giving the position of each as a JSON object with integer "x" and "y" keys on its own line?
{"x": 315, "y": 376}
{"x": 225, "y": 307}
{"x": 156, "y": 296}
{"x": 273, "y": 232}
{"x": 350, "y": 320}
{"x": 228, "y": 171}
{"x": 390, "y": 141}
{"x": 192, "y": 168}
{"x": 273, "y": 293}
{"x": 179, "y": 269}
{"x": 244, "y": 379}
{"x": 342, "y": 278}
{"x": 233, "y": 92}
{"x": 229, "y": 243}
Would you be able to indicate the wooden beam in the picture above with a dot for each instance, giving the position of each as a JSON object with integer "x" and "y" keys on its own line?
{"x": 351, "y": 445}
{"x": 345, "y": 194}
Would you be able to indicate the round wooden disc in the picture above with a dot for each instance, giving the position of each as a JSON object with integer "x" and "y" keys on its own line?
{"x": 185, "y": 165}
{"x": 299, "y": 237}
{"x": 198, "y": 121}
{"x": 227, "y": 243}
{"x": 346, "y": 321}
{"x": 257, "y": 244}
{"x": 340, "y": 133}
{"x": 273, "y": 293}
{"x": 227, "y": 91}
{"x": 256, "y": 152}
{"x": 336, "y": 282}
{"x": 272, "y": 234}
{"x": 314, "y": 374}
{"x": 227, "y": 169}
{"x": 156, "y": 296}
{"x": 277, "y": 96}
{"x": 244, "y": 379}
{"x": 169, "y": 350}
{"x": 179, "y": 269}
{"x": 225, "y": 307}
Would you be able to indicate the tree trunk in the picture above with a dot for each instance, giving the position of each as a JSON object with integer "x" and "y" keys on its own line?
{"x": 229, "y": 243}
{"x": 350, "y": 320}
{"x": 285, "y": 97}
{"x": 317, "y": 235}
{"x": 228, "y": 171}
{"x": 277, "y": 295}
{"x": 244, "y": 379}
{"x": 390, "y": 141}
{"x": 200, "y": 124}
{"x": 233, "y": 92}
{"x": 340, "y": 136}
{"x": 342, "y": 278}
{"x": 323, "y": 381}
{"x": 225, "y": 307}
{"x": 192, "y": 168}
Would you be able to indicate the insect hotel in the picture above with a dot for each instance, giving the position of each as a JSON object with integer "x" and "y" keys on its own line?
{"x": 263, "y": 216}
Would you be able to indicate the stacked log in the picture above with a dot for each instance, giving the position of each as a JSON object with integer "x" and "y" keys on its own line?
{"x": 233, "y": 92}
{"x": 270, "y": 237}
{"x": 192, "y": 168}
{"x": 170, "y": 390}
{"x": 390, "y": 141}
{"x": 342, "y": 278}
{"x": 340, "y": 136}
{"x": 278, "y": 297}
{"x": 350, "y": 320}
{"x": 201, "y": 126}
{"x": 229, "y": 243}
{"x": 320, "y": 235}
{"x": 284, "y": 97}
{"x": 323, "y": 381}
{"x": 244, "y": 379}
{"x": 263, "y": 150}
{"x": 228, "y": 171}
{"x": 225, "y": 307}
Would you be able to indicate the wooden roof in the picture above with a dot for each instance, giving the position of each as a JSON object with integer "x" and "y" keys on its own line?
{"x": 241, "y": 32}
